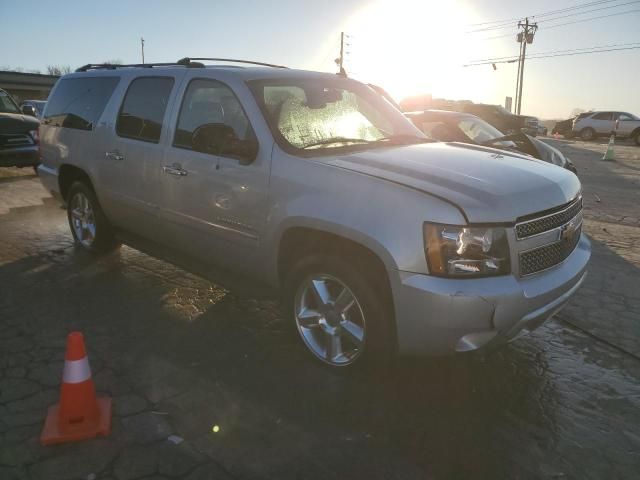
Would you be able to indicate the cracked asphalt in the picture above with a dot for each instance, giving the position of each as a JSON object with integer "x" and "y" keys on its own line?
{"x": 180, "y": 355}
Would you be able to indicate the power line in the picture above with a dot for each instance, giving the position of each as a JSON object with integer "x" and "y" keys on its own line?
{"x": 515, "y": 59}
{"x": 547, "y": 27}
{"x": 544, "y": 14}
{"x": 510, "y": 24}
{"x": 588, "y": 11}
{"x": 493, "y": 59}
{"x": 589, "y": 19}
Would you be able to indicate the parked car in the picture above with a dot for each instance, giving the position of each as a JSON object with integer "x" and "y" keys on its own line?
{"x": 38, "y": 106}
{"x": 542, "y": 130}
{"x": 446, "y": 126}
{"x": 18, "y": 135}
{"x": 502, "y": 119}
{"x": 602, "y": 124}
{"x": 380, "y": 240}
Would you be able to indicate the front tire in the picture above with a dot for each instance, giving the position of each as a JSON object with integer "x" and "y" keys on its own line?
{"x": 636, "y": 139}
{"x": 341, "y": 311}
{"x": 89, "y": 226}
{"x": 587, "y": 134}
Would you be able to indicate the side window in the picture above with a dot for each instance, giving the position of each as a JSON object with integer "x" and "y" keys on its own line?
{"x": 78, "y": 103}
{"x": 625, "y": 116}
{"x": 143, "y": 108}
{"x": 602, "y": 116}
{"x": 209, "y": 102}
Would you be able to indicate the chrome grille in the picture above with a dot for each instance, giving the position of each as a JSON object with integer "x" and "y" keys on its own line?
{"x": 15, "y": 140}
{"x": 535, "y": 226}
{"x": 545, "y": 257}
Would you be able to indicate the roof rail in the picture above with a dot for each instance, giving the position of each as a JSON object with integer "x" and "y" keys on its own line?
{"x": 189, "y": 61}
{"x": 111, "y": 66}
{"x": 183, "y": 62}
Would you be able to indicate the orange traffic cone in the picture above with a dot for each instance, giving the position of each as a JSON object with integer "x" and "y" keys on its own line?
{"x": 80, "y": 414}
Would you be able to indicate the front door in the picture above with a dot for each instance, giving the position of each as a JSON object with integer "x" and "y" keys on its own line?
{"x": 602, "y": 123}
{"x": 134, "y": 153}
{"x": 214, "y": 205}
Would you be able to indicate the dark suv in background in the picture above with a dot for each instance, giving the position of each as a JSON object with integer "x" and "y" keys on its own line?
{"x": 503, "y": 119}
{"x": 19, "y": 141}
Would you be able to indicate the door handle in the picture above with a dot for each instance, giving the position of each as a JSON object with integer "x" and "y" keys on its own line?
{"x": 174, "y": 170}
{"x": 115, "y": 155}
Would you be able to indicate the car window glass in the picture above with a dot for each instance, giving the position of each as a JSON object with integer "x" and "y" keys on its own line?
{"x": 6, "y": 104}
{"x": 624, "y": 116}
{"x": 78, "y": 103}
{"x": 303, "y": 122}
{"x": 602, "y": 116}
{"x": 143, "y": 108}
{"x": 210, "y": 102}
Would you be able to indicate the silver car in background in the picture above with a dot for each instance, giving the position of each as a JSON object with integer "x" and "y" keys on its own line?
{"x": 380, "y": 241}
{"x": 590, "y": 125}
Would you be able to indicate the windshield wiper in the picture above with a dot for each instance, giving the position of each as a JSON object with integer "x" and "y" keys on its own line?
{"x": 329, "y": 141}
{"x": 400, "y": 139}
{"x": 403, "y": 139}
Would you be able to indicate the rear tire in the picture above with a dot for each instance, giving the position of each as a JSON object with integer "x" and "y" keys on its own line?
{"x": 587, "y": 134}
{"x": 636, "y": 139}
{"x": 316, "y": 289}
{"x": 89, "y": 226}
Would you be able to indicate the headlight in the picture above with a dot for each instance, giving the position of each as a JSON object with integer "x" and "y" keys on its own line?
{"x": 454, "y": 251}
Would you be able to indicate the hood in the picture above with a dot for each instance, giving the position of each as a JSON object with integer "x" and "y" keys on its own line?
{"x": 488, "y": 185}
{"x": 17, "y": 123}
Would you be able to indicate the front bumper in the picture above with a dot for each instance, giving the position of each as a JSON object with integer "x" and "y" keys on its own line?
{"x": 19, "y": 157}
{"x": 439, "y": 316}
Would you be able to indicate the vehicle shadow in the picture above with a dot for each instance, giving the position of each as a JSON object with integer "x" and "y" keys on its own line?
{"x": 421, "y": 417}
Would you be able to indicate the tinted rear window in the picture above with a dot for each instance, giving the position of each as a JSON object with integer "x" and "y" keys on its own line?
{"x": 143, "y": 108}
{"x": 78, "y": 102}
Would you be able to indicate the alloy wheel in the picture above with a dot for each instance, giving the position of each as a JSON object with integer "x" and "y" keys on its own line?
{"x": 330, "y": 319}
{"x": 83, "y": 219}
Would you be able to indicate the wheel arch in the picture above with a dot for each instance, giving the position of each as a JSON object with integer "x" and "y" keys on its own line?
{"x": 298, "y": 241}
{"x": 67, "y": 174}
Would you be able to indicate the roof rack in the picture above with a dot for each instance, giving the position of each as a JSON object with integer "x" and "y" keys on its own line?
{"x": 183, "y": 62}
{"x": 112, "y": 66}
{"x": 189, "y": 61}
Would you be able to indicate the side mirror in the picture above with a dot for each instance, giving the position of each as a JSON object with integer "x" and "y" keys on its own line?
{"x": 221, "y": 139}
{"x": 29, "y": 110}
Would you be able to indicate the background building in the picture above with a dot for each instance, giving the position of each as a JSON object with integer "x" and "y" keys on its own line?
{"x": 27, "y": 86}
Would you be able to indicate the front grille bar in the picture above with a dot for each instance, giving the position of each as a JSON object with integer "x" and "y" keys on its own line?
{"x": 536, "y": 226}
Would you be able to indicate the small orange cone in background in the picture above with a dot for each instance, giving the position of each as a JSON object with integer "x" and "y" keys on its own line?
{"x": 80, "y": 415}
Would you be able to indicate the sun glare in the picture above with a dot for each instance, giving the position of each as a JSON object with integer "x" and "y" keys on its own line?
{"x": 411, "y": 47}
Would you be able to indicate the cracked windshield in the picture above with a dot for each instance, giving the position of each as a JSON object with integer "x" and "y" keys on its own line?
{"x": 303, "y": 240}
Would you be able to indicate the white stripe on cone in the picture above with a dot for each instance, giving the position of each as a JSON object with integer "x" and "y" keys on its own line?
{"x": 76, "y": 371}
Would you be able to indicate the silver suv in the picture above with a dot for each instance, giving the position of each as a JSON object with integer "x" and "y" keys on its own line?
{"x": 599, "y": 124}
{"x": 380, "y": 241}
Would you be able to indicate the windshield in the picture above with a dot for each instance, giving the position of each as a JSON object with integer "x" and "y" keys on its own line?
{"x": 7, "y": 105}
{"x": 480, "y": 131}
{"x": 320, "y": 115}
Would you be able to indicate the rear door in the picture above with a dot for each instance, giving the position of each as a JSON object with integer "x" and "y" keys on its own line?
{"x": 626, "y": 124}
{"x": 133, "y": 156}
{"x": 214, "y": 205}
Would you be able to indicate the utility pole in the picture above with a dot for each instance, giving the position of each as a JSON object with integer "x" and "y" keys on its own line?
{"x": 524, "y": 37}
{"x": 142, "y": 46}
{"x": 340, "y": 60}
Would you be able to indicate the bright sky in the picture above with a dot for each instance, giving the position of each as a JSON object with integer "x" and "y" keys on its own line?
{"x": 406, "y": 46}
